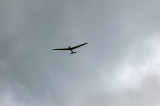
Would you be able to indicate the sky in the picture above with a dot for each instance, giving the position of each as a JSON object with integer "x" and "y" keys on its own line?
{"x": 118, "y": 67}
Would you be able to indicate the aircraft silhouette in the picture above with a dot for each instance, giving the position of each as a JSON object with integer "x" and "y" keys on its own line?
{"x": 71, "y": 48}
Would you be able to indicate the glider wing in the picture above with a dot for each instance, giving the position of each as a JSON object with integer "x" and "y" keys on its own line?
{"x": 78, "y": 46}
{"x": 62, "y": 49}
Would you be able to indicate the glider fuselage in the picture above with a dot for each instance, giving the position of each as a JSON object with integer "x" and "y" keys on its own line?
{"x": 71, "y": 50}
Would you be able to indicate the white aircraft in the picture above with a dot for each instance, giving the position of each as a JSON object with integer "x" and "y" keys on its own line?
{"x": 71, "y": 48}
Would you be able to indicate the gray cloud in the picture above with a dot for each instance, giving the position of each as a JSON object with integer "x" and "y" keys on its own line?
{"x": 147, "y": 94}
{"x": 119, "y": 66}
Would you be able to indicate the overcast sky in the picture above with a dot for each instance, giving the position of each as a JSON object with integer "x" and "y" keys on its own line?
{"x": 120, "y": 65}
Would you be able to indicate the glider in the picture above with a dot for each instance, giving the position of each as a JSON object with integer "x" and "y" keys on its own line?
{"x": 71, "y": 48}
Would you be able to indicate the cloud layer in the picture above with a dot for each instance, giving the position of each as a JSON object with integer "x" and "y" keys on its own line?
{"x": 119, "y": 66}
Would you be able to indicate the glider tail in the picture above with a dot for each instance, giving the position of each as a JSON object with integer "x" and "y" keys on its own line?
{"x": 73, "y": 52}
